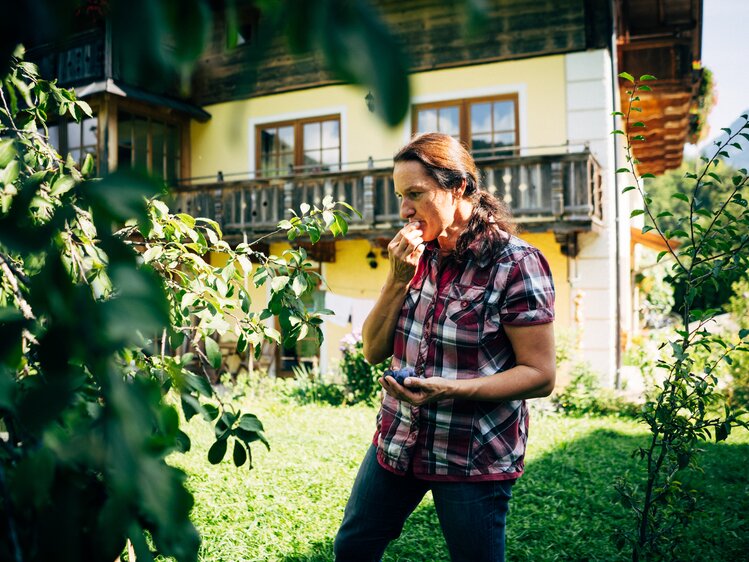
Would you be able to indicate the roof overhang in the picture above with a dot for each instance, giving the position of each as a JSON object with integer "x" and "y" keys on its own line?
{"x": 662, "y": 38}
{"x": 110, "y": 86}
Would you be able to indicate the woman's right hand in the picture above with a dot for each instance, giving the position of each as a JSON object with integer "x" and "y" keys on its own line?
{"x": 404, "y": 251}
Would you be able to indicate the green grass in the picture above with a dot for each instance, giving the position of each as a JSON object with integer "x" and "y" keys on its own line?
{"x": 289, "y": 506}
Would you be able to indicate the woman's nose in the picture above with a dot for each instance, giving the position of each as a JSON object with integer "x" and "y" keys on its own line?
{"x": 406, "y": 209}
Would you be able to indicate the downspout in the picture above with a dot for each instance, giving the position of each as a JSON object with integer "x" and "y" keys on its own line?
{"x": 617, "y": 235}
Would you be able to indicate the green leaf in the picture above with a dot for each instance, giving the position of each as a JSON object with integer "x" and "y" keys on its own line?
{"x": 628, "y": 188}
{"x": 299, "y": 285}
{"x": 7, "y": 152}
{"x": 84, "y": 107}
{"x": 617, "y": 132}
{"x": 644, "y": 88}
{"x": 213, "y": 352}
{"x": 680, "y": 196}
{"x": 638, "y": 124}
{"x": 250, "y": 422}
{"x": 190, "y": 405}
{"x": 87, "y": 168}
{"x": 62, "y": 185}
{"x": 278, "y": 283}
{"x": 636, "y": 212}
{"x": 661, "y": 255}
{"x": 647, "y": 228}
{"x": 10, "y": 174}
{"x": 217, "y": 451}
{"x": 627, "y": 76}
{"x": 646, "y": 77}
{"x": 342, "y": 225}
{"x": 240, "y": 453}
{"x": 622, "y": 170}
{"x": 647, "y": 176}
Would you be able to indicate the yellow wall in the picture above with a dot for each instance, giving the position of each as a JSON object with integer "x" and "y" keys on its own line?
{"x": 558, "y": 263}
{"x": 223, "y": 143}
{"x": 351, "y": 276}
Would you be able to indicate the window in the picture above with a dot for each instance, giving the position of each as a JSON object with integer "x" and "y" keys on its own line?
{"x": 304, "y": 145}
{"x": 148, "y": 144}
{"x": 488, "y": 126}
{"x": 75, "y": 139}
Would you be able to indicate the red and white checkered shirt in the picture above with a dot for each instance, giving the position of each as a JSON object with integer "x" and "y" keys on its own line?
{"x": 451, "y": 326}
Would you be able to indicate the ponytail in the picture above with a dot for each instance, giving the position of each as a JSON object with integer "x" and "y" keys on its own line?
{"x": 490, "y": 224}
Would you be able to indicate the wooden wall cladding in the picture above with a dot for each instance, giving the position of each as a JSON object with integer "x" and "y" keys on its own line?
{"x": 431, "y": 32}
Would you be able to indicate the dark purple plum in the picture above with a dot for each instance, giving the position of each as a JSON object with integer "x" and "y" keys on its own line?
{"x": 399, "y": 374}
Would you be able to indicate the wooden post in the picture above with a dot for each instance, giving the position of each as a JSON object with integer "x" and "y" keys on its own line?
{"x": 557, "y": 190}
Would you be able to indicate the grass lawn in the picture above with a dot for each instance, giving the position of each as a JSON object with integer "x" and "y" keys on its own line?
{"x": 289, "y": 506}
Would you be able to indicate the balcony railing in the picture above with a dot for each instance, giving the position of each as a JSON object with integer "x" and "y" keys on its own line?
{"x": 559, "y": 188}
{"x": 96, "y": 55}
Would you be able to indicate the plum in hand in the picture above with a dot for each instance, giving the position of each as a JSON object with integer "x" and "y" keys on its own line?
{"x": 400, "y": 374}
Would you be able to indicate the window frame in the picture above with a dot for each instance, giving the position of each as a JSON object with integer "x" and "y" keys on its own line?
{"x": 63, "y": 145}
{"x": 150, "y": 119}
{"x": 464, "y": 115}
{"x": 298, "y": 126}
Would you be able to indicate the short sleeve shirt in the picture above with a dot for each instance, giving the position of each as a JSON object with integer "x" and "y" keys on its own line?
{"x": 451, "y": 325}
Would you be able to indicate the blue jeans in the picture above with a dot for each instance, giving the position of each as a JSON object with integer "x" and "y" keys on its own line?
{"x": 472, "y": 514}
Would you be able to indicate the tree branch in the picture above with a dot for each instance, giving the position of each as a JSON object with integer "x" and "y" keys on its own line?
{"x": 13, "y": 276}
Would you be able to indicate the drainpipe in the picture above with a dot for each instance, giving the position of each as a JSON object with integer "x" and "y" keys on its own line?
{"x": 617, "y": 235}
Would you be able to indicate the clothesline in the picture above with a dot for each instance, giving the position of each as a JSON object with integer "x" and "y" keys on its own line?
{"x": 347, "y": 310}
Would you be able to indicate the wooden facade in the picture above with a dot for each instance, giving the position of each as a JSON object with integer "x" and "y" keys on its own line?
{"x": 662, "y": 38}
{"x": 431, "y": 35}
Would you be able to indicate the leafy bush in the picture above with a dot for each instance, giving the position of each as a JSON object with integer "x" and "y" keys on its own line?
{"x": 738, "y": 368}
{"x": 359, "y": 375}
{"x": 99, "y": 282}
{"x": 584, "y": 395}
{"x": 566, "y": 347}
{"x": 310, "y": 386}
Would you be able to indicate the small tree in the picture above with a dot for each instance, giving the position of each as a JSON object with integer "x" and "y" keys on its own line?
{"x": 99, "y": 281}
{"x": 686, "y": 408}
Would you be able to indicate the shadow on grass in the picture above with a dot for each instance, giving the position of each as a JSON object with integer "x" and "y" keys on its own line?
{"x": 565, "y": 507}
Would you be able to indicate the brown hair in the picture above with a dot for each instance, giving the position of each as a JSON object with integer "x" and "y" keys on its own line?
{"x": 449, "y": 163}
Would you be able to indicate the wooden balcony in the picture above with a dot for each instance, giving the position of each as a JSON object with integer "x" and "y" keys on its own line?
{"x": 559, "y": 192}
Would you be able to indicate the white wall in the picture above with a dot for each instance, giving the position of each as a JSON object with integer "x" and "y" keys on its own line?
{"x": 589, "y": 107}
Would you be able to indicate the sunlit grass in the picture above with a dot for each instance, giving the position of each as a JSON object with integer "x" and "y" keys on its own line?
{"x": 289, "y": 506}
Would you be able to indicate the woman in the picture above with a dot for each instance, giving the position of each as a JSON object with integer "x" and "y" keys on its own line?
{"x": 469, "y": 307}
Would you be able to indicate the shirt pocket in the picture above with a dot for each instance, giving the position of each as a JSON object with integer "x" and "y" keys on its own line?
{"x": 464, "y": 305}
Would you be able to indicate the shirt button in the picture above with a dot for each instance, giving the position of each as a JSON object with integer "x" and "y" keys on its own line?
{"x": 463, "y": 304}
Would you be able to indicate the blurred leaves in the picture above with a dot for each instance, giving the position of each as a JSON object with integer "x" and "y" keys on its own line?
{"x": 108, "y": 302}
{"x": 165, "y": 39}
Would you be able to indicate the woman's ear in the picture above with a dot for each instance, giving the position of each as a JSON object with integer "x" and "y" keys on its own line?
{"x": 460, "y": 190}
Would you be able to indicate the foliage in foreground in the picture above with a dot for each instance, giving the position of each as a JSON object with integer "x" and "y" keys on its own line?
{"x": 100, "y": 282}
{"x": 687, "y": 408}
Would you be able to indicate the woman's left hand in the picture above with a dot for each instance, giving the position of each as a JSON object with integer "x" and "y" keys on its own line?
{"x": 417, "y": 391}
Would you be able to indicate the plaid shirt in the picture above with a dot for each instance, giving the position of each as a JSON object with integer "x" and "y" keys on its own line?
{"x": 451, "y": 326}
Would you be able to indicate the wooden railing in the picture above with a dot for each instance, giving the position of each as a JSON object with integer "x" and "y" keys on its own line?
{"x": 563, "y": 188}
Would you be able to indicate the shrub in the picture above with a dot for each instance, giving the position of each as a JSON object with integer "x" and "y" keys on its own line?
{"x": 310, "y": 386}
{"x": 359, "y": 375}
{"x": 738, "y": 307}
{"x": 584, "y": 395}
